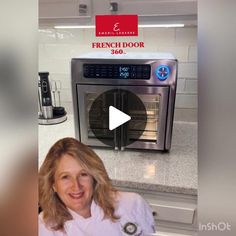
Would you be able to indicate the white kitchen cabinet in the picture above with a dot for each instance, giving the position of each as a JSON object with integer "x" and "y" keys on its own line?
{"x": 53, "y": 12}
{"x": 174, "y": 214}
{"x": 58, "y": 8}
{"x": 149, "y": 11}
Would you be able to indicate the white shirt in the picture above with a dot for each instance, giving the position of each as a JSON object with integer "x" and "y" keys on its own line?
{"x": 134, "y": 213}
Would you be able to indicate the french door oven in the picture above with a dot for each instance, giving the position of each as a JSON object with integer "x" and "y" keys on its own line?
{"x": 155, "y": 101}
{"x": 110, "y": 82}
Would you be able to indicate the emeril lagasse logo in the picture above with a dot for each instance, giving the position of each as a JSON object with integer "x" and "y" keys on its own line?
{"x": 116, "y": 25}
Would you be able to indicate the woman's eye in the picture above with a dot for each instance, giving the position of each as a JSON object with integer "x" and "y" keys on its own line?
{"x": 84, "y": 174}
{"x": 65, "y": 177}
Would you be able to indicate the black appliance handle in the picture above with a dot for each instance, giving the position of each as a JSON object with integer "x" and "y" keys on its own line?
{"x": 46, "y": 98}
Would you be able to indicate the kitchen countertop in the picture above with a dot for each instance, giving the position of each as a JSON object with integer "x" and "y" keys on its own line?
{"x": 173, "y": 172}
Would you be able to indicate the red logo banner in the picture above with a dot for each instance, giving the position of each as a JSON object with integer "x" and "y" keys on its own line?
{"x": 116, "y": 25}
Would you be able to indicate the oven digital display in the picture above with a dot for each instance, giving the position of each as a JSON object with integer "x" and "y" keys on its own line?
{"x": 117, "y": 71}
{"x": 124, "y": 72}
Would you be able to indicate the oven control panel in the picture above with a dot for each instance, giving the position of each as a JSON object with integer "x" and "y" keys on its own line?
{"x": 162, "y": 72}
{"x": 117, "y": 71}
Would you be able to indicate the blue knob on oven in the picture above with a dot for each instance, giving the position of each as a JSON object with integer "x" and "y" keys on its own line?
{"x": 162, "y": 72}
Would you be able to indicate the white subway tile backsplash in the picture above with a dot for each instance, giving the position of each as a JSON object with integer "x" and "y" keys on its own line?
{"x": 66, "y": 95}
{"x": 150, "y": 46}
{"x": 187, "y": 70}
{"x": 61, "y": 66}
{"x": 65, "y": 51}
{"x": 186, "y": 36}
{"x": 186, "y": 114}
{"x": 70, "y": 36}
{"x": 78, "y": 50}
{"x": 140, "y": 36}
{"x": 89, "y": 36}
{"x": 159, "y": 36}
{"x": 179, "y": 52}
{"x": 63, "y": 78}
{"x": 47, "y": 36}
{"x": 186, "y": 101}
{"x": 180, "y": 85}
{"x": 58, "y": 51}
{"x": 43, "y": 64}
{"x": 192, "y": 54}
{"x": 187, "y": 86}
{"x": 191, "y": 86}
{"x": 41, "y": 51}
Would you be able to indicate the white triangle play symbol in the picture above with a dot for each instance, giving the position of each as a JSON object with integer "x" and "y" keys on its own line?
{"x": 117, "y": 118}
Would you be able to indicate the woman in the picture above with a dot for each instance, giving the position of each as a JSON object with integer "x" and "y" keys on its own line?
{"x": 78, "y": 199}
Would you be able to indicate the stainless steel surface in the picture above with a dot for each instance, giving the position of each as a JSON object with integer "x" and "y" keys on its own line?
{"x": 148, "y": 95}
{"x": 122, "y": 141}
{"x": 47, "y": 112}
{"x": 56, "y": 90}
{"x": 77, "y": 75}
{"x": 40, "y": 112}
{"x": 157, "y": 96}
{"x": 44, "y": 94}
{"x": 116, "y": 144}
{"x": 54, "y": 99}
{"x": 59, "y": 98}
{"x": 52, "y": 121}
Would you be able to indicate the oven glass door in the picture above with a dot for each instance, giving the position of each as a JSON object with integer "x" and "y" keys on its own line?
{"x": 98, "y": 120}
{"x": 155, "y": 100}
{"x": 128, "y": 135}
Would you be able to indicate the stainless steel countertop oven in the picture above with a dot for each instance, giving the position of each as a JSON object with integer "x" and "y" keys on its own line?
{"x": 112, "y": 78}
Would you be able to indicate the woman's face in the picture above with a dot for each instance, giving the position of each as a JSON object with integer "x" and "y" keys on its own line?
{"x": 74, "y": 185}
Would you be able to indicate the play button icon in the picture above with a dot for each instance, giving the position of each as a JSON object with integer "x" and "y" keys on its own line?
{"x": 117, "y": 118}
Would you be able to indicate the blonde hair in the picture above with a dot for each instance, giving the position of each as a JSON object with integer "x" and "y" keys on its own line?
{"x": 55, "y": 213}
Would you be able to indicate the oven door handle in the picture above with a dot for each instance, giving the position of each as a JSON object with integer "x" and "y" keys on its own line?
{"x": 116, "y": 141}
{"x": 124, "y": 126}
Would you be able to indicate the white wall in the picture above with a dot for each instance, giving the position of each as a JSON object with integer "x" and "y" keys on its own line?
{"x": 57, "y": 47}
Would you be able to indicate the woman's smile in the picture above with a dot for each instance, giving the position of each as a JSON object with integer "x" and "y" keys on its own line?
{"x": 78, "y": 195}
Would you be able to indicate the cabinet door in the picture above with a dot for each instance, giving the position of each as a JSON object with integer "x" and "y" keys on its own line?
{"x": 57, "y": 8}
{"x": 65, "y": 9}
{"x": 168, "y": 211}
{"x": 174, "y": 214}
